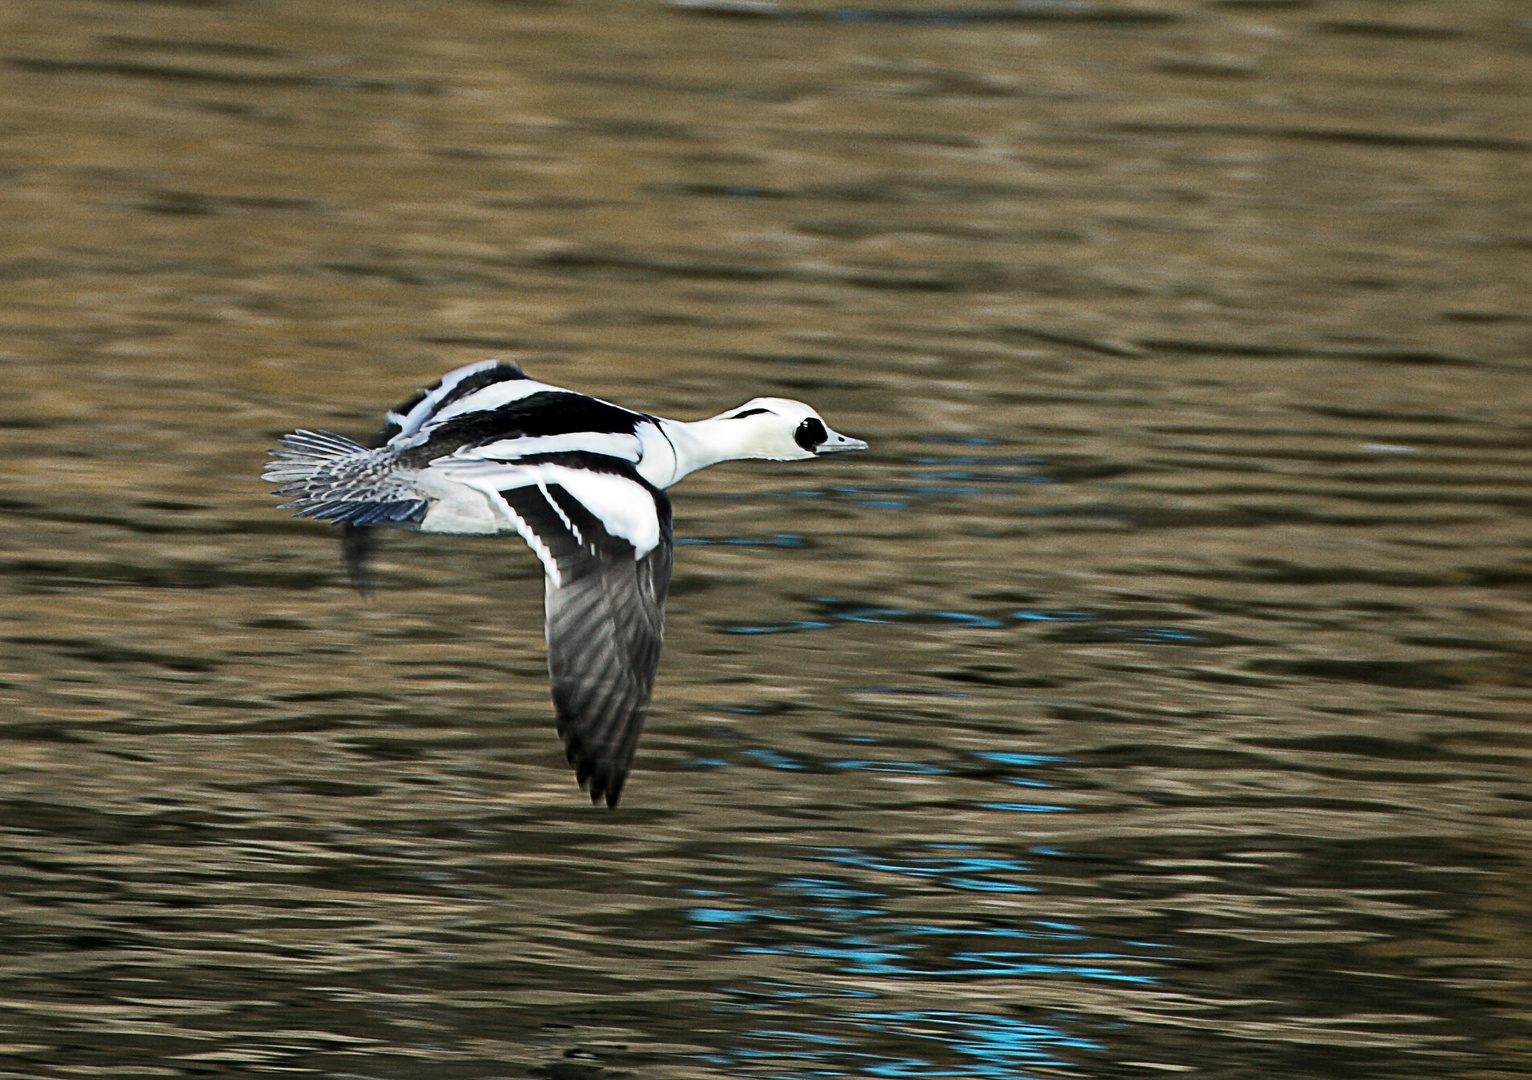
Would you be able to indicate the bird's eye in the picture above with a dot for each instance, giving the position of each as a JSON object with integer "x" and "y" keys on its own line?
{"x": 810, "y": 433}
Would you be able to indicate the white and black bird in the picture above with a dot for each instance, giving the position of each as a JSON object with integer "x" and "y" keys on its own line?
{"x": 488, "y": 450}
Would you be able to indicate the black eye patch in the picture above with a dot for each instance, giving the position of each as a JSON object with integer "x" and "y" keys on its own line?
{"x": 748, "y": 412}
{"x": 810, "y": 434}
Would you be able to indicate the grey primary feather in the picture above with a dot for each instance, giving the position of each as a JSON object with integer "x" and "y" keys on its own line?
{"x": 604, "y": 633}
{"x": 605, "y": 621}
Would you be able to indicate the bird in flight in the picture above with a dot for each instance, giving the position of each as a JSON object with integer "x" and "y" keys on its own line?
{"x": 486, "y": 450}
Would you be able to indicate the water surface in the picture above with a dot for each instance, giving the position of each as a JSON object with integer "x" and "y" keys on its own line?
{"x": 1151, "y": 699}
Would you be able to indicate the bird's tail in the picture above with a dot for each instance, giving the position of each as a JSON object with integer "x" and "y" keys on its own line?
{"x": 331, "y": 478}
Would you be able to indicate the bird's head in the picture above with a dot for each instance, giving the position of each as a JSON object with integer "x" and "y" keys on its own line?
{"x": 780, "y": 429}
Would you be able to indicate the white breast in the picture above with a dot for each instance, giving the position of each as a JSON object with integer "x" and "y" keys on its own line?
{"x": 658, "y": 464}
{"x": 622, "y": 447}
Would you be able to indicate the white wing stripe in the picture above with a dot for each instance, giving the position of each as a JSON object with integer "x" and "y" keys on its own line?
{"x": 624, "y": 447}
{"x": 492, "y": 396}
{"x": 540, "y": 549}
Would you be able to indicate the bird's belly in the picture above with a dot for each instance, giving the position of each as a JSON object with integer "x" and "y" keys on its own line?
{"x": 458, "y": 508}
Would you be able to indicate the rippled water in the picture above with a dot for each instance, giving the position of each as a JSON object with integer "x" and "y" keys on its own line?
{"x": 1153, "y": 698}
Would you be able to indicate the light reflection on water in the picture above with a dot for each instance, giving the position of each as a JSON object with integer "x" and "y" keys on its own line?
{"x": 832, "y": 611}
{"x": 968, "y": 1044}
{"x": 852, "y": 931}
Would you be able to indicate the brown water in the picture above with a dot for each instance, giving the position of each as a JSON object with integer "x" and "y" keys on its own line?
{"x": 1153, "y": 698}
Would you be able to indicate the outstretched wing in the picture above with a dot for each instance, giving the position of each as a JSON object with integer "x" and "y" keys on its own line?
{"x": 604, "y": 632}
{"x": 603, "y": 534}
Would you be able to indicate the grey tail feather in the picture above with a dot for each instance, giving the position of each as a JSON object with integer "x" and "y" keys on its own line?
{"x": 331, "y": 478}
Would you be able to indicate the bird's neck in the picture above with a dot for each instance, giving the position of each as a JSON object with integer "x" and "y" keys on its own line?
{"x": 700, "y": 443}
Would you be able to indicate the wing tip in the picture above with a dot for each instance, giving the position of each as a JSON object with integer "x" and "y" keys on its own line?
{"x": 601, "y": 780}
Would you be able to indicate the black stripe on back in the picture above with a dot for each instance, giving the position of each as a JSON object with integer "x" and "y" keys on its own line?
{"x": 584, "y": 459}
{"x": 547, "y": 412}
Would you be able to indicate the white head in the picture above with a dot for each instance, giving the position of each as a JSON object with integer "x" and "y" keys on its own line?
{"x": 780, "y": 429}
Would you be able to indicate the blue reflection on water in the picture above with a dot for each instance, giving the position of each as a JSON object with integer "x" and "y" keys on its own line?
{"x": 969, "y": 872}
{"x": 851, "y": 920}
{"x": 1050, "y": 931}
{"x": 718, "y": 916}
{"x": 775, "y": 540}
{"x": 935, "y": 1043}
{"x": 775, "y": 759}
{"x": 902, "y": 615}
{"x": 856, "y": 955}
{"x": 1052, "y": 615}
{"x": 914, "y": 768}
{"x": 1020, "y": 759}
{"x": 1156, "y": 635}
{"x": 1016, "y": 963}
{"x": 998, "y": 1044}
{"x": 825, "y": 889}
{"x": 789, "y": 627}
{"x": 832, "y": 610}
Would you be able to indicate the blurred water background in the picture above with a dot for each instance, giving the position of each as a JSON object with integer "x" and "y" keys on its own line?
{"x": 1152, "y": 699}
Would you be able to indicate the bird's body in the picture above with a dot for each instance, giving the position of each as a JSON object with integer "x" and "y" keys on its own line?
{"x": 487, "y": 450}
